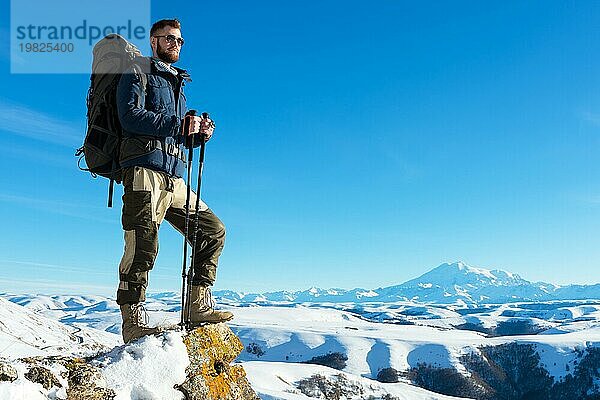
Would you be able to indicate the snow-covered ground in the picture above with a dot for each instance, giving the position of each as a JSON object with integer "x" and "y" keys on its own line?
{"x": 280, "y": 336}
{"x": 30, "y": 332}
{"x": 275, "y": 380}
{"x": 434, "y": 319}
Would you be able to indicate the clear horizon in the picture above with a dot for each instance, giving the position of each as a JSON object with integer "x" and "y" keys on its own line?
{"x": 356, "y": 146}
{"x": 51, "y": 288}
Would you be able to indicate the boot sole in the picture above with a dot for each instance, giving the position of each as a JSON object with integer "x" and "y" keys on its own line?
{"x": 194, "y": 325}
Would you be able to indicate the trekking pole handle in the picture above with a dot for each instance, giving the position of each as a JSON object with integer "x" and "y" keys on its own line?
{"x": 205, "y": 115}
{"x": 186, "y": 124}
{"x": 186, "y": 128}
{"x": 204, "y": 137}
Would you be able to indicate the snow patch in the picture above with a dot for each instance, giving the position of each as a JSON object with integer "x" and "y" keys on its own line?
{"x": 148, "y": 368}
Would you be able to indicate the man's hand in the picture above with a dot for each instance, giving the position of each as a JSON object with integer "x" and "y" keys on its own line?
{"x": 204, "y": 126}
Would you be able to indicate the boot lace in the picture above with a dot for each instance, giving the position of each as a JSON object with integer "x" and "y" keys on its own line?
{"x": 209, "y": 301}
{"x": 139, "y": 315}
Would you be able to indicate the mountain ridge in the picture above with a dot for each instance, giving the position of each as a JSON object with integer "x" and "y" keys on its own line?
{"x": 447, "y": 283}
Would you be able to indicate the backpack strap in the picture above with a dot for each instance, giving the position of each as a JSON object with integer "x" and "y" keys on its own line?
{"x": 143, "y": 78}
{"x": 111, "y": 187}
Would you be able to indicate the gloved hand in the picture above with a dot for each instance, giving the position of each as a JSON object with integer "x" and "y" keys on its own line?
{"x": 202, "y": 125}
{"x": 197, "y": 127}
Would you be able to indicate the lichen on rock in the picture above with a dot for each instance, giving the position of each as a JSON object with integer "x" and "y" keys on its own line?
{"x": 210, "y": 376}
{"x": 87, "y": 383}
{"x": 43, "y": 376}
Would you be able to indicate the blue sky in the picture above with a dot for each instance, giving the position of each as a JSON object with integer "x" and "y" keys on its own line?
{"x": 357, "y": 145}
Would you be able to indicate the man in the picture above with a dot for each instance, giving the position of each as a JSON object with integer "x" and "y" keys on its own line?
{"x": 153, "y": 161}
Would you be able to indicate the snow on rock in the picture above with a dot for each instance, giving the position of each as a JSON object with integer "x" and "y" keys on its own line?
{"x": 40, "y": 378}
{"x": 147, "y": 369}
{"x": 172, "y": 365}
{"x": 22, "y": 389}
{"x": 176, "y": 365}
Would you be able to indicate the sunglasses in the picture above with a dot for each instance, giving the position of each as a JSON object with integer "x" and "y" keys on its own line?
{"x": 171, "y": 39}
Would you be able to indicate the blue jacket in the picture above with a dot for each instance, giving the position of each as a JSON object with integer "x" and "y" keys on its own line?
{"x": 151, "y": 118}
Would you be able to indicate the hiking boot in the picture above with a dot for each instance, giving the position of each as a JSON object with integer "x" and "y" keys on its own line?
{"x": 202, "y": 309}
{"x": 135, "y": 322}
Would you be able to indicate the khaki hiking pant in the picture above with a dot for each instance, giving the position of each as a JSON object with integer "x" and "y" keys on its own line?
{"x": 149, "y": 198}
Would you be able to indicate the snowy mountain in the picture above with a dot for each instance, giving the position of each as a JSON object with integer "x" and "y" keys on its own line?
{"x": 449, "y": 283}
{"x": 458, "y": 282}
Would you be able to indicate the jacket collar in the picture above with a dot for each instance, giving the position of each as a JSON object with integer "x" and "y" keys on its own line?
{"x": 164, "y": 67}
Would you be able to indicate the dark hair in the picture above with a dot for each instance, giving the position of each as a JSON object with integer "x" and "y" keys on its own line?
{"x": 158, "y": 25}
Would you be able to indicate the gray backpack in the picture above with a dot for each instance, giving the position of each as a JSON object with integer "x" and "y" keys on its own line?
{"x": 112, "y": 56}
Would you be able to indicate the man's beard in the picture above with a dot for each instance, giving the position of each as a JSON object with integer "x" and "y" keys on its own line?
{"x": 166, "y": 55}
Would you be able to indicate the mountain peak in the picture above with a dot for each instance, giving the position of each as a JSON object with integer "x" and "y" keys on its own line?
{"x": 454, "y": 266}
{"x": 459, "y": 265}
{"x": 458, "y": 281}
{"x": 461, "y": 268}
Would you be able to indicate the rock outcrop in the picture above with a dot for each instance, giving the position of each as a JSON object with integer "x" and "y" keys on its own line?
{"x": 7, "y": 373}
{"x": 210, "y": 374}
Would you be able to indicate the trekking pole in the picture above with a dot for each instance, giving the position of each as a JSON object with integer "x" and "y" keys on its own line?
{"x": 197, "y": 213}
{"x": 187, "y": 212}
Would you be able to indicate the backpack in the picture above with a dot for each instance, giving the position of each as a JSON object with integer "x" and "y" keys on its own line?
{"x": 112, "y": 56}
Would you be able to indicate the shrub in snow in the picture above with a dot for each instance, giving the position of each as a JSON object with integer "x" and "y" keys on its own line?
{"x": 512, "y": 371}
{"x": 504, "y": 328}
{"x": 254, "y": 348}
{"x": 388, "y": 375}
{"x": 333, "y": 360}
{"x": 447, "y": 381}
{"x": 518, "y": 327}
{"x": 584, "y": 382}
{"x": 336, "y": 387}
{"x": 470, "y": 326}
